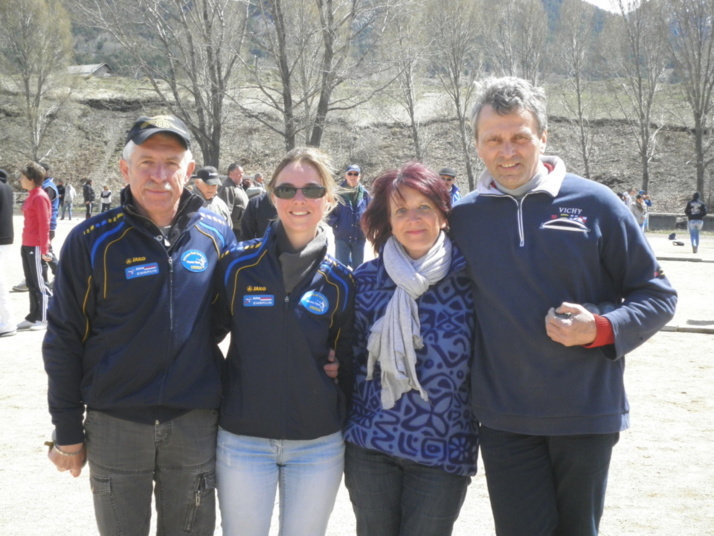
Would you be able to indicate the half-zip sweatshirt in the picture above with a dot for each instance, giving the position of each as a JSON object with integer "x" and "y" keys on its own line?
{"x": 568, "y": 240}
{"x": 129, "y": 329}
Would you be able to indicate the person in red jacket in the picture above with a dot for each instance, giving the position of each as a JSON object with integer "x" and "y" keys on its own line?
{"x": 35, "y": 246}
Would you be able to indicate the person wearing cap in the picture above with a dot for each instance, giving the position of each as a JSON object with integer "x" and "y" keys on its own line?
{"x": 235, "y": 197}
{"x": 7, "y": 236}
{"x": 129, "y": 341}
{"x": 448, "y": 175}
{"x": 345, "y": 219}
{"x": 207, "y": 182}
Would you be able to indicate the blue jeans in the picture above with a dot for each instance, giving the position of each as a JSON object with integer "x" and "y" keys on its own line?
{"x": 250, "y": 469}
{"x": 67, "y": 207}
{"x": 174, "y": 459}
{"x": 350, "y": 253}
{"x": 694, "y": 227}
{"x": 546, "y": 485}
{"x": 397, "y": 497}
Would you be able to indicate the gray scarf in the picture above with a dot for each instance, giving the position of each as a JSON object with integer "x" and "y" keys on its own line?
{"x": 395, "y": 336}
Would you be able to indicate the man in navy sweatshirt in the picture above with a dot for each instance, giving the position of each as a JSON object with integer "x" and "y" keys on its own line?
{"x": 565, "y": 285}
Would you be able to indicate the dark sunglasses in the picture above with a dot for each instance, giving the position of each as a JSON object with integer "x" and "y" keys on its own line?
{"x": 447, "y": 178}
{"x": 353, "y": 174}
{"x": 288, "y": 191}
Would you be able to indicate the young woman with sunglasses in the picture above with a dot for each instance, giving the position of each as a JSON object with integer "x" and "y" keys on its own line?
{"x": 287, "y": 304}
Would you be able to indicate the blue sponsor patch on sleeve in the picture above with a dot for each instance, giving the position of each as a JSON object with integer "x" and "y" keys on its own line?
{"x": 194, "y": 261}
{"x": 259, "y": 300}
{"x": 315, "y": 302}
{"x": 142, "y": 270}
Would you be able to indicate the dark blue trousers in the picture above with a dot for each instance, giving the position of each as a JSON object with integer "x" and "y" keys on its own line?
{"x": 398, "y": 497}
{"x": 546, "y": 485}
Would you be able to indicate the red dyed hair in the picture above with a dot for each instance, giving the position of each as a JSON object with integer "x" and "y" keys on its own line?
{"x": 414, "y": 175}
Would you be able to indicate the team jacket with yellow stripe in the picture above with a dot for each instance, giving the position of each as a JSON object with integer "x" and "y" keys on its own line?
{"x": 275, "y": 386}
{"x": 129, "y": 328}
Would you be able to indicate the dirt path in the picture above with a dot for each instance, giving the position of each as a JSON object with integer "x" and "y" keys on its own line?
{"x": 662, "y": 478}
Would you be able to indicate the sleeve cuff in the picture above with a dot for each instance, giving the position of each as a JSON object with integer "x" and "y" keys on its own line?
{"x": 605, "y": 335}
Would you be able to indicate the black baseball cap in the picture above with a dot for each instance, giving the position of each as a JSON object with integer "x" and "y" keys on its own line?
{"x": 209, "y": 175}
{"x": 145, "y": 127}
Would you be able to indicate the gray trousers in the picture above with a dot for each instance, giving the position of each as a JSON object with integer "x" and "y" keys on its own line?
{"x": 175, "y": 460}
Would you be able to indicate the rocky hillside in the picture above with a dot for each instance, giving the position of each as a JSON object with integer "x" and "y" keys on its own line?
{"x": 88, "y": 136}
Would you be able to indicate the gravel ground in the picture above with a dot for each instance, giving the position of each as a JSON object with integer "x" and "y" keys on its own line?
{"x": 662, "y": 478}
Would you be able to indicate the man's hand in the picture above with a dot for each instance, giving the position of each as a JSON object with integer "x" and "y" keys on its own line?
{"x": 570, "y": 325}
{"x": 333, "y": 366}
{"x": 72, "y": 460}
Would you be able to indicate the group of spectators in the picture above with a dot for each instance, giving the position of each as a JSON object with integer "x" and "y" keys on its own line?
{"x": 640, "y": 204}
{"x": 395, "y": 374}
{"x": 47, "y": 202}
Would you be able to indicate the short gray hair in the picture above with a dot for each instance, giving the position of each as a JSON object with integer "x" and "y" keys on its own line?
{"x": 130, "y": 147}
{"x": 509, "y": 94}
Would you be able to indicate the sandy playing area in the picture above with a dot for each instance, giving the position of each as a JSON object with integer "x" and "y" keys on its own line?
{"x": 661, "y": 480}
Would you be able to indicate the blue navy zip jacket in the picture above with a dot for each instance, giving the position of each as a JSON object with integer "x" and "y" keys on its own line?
{"x": 345, "y": 218}
{"x": 129, "y": 328}
{"x": 275, "y": 385}
{"x": 441, "y": 432}
{"x": 569, "y": 240}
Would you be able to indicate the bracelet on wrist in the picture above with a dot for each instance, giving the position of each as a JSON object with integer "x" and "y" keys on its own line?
{"x": 53, "y": 445}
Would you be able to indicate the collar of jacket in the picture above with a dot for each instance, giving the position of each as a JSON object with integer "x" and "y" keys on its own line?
{"x": 551, "y": 185}
{"x": 188, "y": 206}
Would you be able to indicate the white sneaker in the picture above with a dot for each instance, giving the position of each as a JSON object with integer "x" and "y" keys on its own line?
{"x": 21, "y": 287}
{"x": 7, "y": 330}
{"x": 38, "y": 326}
{"x": 25, "y": 325}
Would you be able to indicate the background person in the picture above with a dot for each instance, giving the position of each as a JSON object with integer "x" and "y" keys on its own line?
{"x": 648, "y": 203}
{"x": 346, "y": 216}
{"x": 69, "y": 196}
{"x": 639, "y": 211}
{"x": 129, "y": 341}
{"x": 547, "y": 375}
{"x": 53, "y": 192}
{"x": 207, "y": 182}
{"x": 62, "y": 192}
{"x": 257, "y": 216}
{"x": 106, "y": 198}
{"x": 88, "y": 196}
{"x": 448, "y": 175}
{"x": 411, "y": 439}
{"x": 37, "y": 211}
{"x": 695, "y": 211}
{"x": 7, "y": 236}
{"x": 233, "y": 195}
{"x": 287, "y": 304}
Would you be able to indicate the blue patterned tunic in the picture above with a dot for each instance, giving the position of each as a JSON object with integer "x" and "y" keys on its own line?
{"x": 441, "y": 432}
